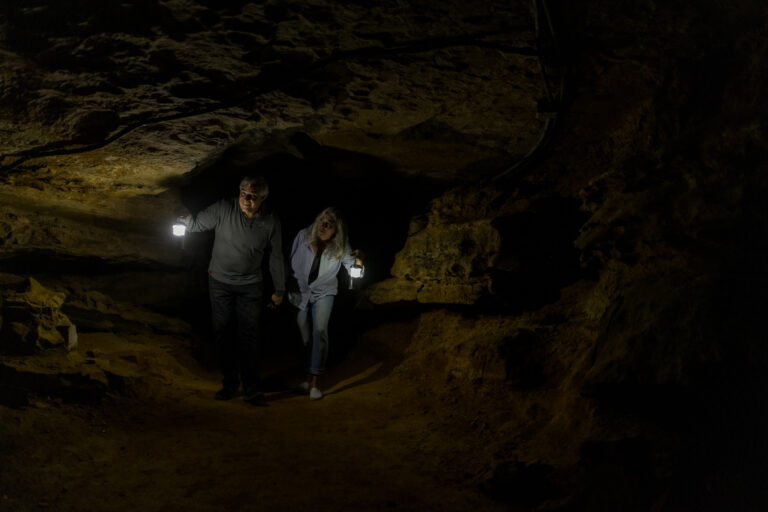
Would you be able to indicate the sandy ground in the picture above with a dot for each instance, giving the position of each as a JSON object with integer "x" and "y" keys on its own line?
{"x": 372, "y": 443}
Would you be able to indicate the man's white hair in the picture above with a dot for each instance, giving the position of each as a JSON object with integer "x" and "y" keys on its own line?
{"x": 257, "y": 183}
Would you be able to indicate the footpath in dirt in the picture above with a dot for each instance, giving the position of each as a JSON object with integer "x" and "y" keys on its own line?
{"x": 372, "y": 443}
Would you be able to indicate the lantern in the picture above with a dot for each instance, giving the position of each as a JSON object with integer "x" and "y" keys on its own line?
{"x": 355, "y": 272}
{"x": 180, "y": 230}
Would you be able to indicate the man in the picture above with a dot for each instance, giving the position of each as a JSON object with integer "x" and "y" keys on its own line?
{"x": 244, "y": 230}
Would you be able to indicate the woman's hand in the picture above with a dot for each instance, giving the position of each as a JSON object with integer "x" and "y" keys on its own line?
{"x": 358, "y": 254}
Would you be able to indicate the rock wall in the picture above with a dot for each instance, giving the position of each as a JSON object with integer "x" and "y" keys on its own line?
{"x": 642, "y": 365}
{"x": 31, "y": 318}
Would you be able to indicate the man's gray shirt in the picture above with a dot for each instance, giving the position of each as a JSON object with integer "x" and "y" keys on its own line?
{"x": 239, "y": 244}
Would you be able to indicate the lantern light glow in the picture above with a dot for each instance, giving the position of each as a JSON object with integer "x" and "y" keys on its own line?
{"x": 355, "y": 272}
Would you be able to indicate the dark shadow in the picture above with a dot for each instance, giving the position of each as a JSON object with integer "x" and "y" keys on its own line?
{"x": 366, "y": 351}
{"x": 537, "y": 256}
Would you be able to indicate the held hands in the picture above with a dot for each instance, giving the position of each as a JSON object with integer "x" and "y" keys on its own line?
{"x": 275, "y": 301}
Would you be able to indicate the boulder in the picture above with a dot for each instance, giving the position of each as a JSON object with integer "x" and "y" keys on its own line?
{"x": 447, "y": 253}
{"x": 31, "y": 319}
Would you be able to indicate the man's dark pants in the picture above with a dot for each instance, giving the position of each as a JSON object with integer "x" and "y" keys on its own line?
{"x": 238, "y": 354}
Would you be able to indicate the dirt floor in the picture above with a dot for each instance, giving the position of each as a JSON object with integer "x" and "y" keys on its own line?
{"x": 164, "y": 443}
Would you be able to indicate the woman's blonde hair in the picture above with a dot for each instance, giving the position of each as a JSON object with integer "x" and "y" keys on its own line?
{"x": 335, "y": 246}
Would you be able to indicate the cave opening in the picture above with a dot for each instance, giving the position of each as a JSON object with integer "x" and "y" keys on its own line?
{"x": 377, "y": 200}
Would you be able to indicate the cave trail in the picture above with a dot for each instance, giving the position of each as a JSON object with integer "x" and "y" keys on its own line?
{"x": 368, "y": 445}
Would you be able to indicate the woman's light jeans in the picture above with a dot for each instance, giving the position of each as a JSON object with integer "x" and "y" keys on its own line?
{"x": 321, "y": 314}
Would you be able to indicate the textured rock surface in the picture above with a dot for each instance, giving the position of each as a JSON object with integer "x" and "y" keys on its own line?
{"x": 104, "y": 108}
{"x": 31, "y": 318}
{"x": 449, "y": 251}
{"x": 644, "y": 356}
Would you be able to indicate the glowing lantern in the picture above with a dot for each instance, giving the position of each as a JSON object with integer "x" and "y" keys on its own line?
{"x": 180, "y": 230}
{"x": 355, "y": 272}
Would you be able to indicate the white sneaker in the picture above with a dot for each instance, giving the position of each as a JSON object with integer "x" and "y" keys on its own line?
{"x": 315, "y": 394}
{"x": 304, "y": 386}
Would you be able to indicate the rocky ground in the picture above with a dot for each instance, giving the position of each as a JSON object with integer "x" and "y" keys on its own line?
{"x": 162, "y": 443}
{"x": 125, "y": 418}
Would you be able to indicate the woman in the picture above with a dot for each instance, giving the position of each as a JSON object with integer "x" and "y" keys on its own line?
{"x": 318, "y": 253}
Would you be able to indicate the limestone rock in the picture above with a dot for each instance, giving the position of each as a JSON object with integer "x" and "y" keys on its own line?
{"x": 96, "y": 311}
{"x": 32, "y": 319}
{"x": 105, "y": 111}
{"x": 448, "y": 252}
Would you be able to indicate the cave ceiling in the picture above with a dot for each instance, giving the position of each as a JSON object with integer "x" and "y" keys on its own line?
{"x": 106, "y": 107}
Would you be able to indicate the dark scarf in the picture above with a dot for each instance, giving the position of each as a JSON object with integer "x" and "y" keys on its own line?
{"x": 315, "y": 269}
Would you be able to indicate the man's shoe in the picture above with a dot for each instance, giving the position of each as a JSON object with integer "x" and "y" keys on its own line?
{"x": 254, "y": 396}
{"x": 315, "y": 394}
{"x": 225, "y": 393}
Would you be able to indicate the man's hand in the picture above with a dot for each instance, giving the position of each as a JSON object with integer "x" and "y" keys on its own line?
{"x": 276, "y": 300}
{"x": 182, "y": 213}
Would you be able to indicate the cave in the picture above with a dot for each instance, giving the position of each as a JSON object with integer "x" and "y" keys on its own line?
{"x": 561, "y": 210}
